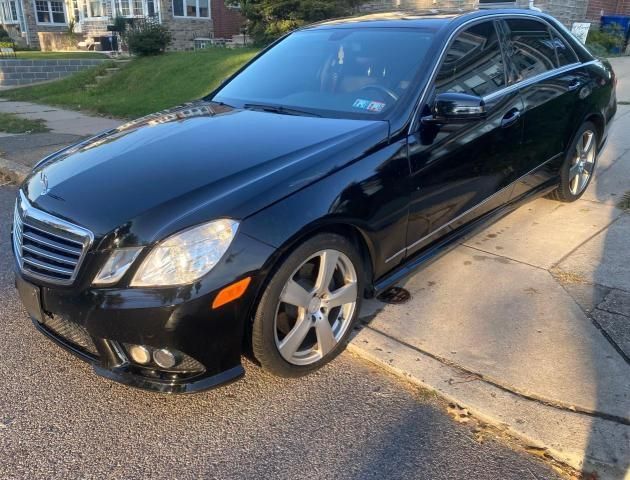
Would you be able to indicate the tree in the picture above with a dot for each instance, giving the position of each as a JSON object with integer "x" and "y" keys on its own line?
{"x": 270, "y": 19}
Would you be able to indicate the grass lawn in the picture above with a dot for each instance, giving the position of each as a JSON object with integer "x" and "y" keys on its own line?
{"x": 11, "y": 123}
{"x": 27, "y": 55}
{"x": 143, "y": 86}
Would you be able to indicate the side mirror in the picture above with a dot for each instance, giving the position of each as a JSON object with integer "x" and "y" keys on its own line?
{"x": 452, "y": 107}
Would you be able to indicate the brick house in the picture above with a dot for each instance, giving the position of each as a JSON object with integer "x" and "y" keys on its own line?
{"x": 596, "y": 8}
{"x": 567, "y": 11}
{"x": 27, "y": 20}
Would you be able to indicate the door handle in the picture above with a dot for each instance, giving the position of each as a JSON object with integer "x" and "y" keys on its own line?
{"x": 510, "y": 118}
{"x": 574, "y": 85}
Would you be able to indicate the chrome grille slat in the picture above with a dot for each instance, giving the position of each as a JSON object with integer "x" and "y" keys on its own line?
{"x": 45, "y": 266}
{"x": 51, "y": 256}
{"x": 47, "y": 247}
{"x": 18, "y": 236}
{"x": 49, "y": 243}
{"x": 46, "y": 233}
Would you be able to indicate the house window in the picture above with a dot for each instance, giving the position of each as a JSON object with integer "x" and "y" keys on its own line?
{"x": 122, "y": 8}
{"x": 90, "y": 9}
{"x": 50, "y": 11}
{"x": 8, "y": 11}
{"x": 134, "y": 8}
{"x": 136, "y": 5}
{"x": 75, "y": 11}
{"x": 96, "y": 8}
{"x": 191, "y": 8}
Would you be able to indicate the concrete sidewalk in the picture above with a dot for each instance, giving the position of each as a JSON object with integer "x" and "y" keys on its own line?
{"x": 18, "y": 153}
{"x": 59, "y": 120}
{"x": 527, "y": 325}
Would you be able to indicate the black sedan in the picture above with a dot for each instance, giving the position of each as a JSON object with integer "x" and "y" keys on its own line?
{"x": 339, "y": 160}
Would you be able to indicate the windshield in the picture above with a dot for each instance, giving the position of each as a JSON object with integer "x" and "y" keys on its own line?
{"x": 352, "y": 73}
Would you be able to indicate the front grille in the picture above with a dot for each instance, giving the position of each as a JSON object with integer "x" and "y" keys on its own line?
{"x": 71, "y": 333}
{"x": 47, "y": 247}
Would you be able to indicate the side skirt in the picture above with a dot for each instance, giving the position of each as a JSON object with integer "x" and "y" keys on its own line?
{"x": 446, "y": 244}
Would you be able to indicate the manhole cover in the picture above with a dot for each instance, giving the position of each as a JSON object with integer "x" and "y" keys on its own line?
{"x": 395, "y": 296}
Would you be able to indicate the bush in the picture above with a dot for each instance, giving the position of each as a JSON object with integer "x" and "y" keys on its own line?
{"x": 147, "y": 38}
{"x": 604, "y": 41}
{"x": 24, "y": 48}
{"x": 4, "y": 35}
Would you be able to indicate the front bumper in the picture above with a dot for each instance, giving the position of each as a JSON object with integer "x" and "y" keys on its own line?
{"x": 122, "y": 371}
{"x": 98, "y": 325}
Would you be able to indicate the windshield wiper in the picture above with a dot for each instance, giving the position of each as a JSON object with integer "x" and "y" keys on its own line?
{"x": 279, "y": 109}
{"x": 221, "y": 104}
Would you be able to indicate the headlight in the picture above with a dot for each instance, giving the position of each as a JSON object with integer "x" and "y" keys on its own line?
{"x": 116, "y": 266}
{"x": 187, "y": 256}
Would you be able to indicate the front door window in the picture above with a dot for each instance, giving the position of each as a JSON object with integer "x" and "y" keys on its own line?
{"x": 473, "y": 63}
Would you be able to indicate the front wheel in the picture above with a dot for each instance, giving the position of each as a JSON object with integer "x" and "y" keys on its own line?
{"x": 308, "y": 310}
{"x": 579, "y": 166}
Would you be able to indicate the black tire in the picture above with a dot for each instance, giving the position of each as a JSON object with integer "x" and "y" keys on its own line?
{"x": 264, "y": 345}
{"x": 563, "y": 192}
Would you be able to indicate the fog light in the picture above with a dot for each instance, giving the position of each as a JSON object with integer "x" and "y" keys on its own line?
{"x": 164, "y": 358}
{"x": 139, "y": 354}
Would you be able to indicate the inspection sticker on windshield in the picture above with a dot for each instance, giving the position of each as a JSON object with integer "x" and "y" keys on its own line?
{"x": 369, "y": 105}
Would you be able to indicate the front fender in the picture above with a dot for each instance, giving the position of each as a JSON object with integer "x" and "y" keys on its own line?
{"x": 371, "y": 195}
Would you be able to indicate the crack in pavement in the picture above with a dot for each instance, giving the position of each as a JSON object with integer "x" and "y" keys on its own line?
{"x": 596, "y": 324}
{"x": 606, "y": 227}
{"x": 590, "y": 315}
{"x": 506, "y": 388}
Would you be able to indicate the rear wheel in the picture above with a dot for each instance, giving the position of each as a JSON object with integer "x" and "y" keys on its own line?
{"x": 309, "y": 307}
{"x": 579, "y": 166}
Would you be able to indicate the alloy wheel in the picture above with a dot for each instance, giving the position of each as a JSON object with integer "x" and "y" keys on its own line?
{"x": 583, "y": 163}
{"x": 316, "y": 307}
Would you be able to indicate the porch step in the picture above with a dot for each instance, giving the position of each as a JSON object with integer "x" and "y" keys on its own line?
{"x": 112, "y": 69}
{"x": 91, "y": 86}
{"x": 101, "y": 77}
{"x": 122, "y": 62}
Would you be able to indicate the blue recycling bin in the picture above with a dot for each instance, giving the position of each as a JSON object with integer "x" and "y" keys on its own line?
{"x": 622, "y": 21}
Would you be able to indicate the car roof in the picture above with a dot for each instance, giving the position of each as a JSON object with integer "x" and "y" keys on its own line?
{"x": 433, "y": 19}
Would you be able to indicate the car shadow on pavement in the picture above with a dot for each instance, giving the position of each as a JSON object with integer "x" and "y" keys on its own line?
{"x": 577, "y": 355}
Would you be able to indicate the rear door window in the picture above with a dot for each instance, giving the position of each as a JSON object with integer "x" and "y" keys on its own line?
{"x": 473, "y": 63}
{"x": 566, "y": 55}
{"x": 530, "y": 48}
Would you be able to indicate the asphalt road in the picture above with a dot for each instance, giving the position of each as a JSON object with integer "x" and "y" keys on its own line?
{"x": 350, "y": 420}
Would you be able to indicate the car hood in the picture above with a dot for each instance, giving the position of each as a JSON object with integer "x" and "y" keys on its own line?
{"x": 156, "y": 175}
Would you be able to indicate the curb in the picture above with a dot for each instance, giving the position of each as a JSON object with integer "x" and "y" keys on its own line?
{"x": 582, "y": 442}
{"x": 15, "y": 171}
